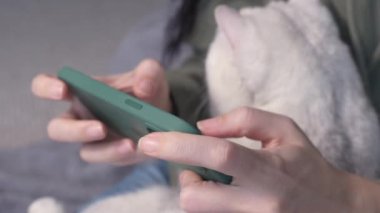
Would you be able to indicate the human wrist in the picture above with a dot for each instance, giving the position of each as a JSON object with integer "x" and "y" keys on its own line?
{"x": 335, "y": 195}
{"x": 364, "y": 194}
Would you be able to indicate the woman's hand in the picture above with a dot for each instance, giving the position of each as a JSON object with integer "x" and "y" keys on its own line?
{"x": 147, "y": 82}
{"x": 287, "y": 175}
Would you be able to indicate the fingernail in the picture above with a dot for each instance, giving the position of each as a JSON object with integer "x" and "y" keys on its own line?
{"x": 95, "y": 132}
{"x": 202, "y": 125}
{"x": 146, "y": 87}
{"x": 57, "y": 91}
{"x": 148, "y": 145}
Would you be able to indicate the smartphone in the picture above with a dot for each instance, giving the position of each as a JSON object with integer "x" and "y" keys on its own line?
{"x": 129, "y": 116}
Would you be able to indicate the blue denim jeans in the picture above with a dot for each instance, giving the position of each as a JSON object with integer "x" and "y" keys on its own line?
{"x": 143, "y": 175}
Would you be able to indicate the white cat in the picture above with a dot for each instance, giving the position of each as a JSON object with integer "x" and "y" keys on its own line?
{"x": 285, "y": 58}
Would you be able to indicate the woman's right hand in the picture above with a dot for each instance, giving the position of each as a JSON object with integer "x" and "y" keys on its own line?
{"x": 147, "y": 82}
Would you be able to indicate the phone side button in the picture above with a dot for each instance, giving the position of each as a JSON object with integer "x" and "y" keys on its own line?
{"x": 153, "y": 128}
{"x": 133, "y": 104}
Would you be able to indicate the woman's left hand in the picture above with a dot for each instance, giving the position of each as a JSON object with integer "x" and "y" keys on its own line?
{"x": 287, "y": 175}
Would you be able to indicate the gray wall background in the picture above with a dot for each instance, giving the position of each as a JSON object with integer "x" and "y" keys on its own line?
{"x": 37, "y": 36}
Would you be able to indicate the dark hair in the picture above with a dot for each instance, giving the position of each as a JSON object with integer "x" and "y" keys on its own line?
{"x": 179, "y": 28}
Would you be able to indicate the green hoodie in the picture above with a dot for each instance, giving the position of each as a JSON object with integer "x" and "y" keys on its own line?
{"x": 356, "y": 20}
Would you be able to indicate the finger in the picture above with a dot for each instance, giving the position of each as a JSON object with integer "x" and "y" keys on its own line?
{"x": 270, "y": 128}
{"x": 209, "y": 152}
{"x": 123, "y": 82}
{"x": 68, "y": 129}
{"x": 107, "y": 79}
{"x": 48, "y": 87}
{"x": 188, "y": 177}
{"x": 209, "y": 197}
{"x": 119, "y": 152}
{"x": 148, "y": 76}
{"x": 78, "y": 110}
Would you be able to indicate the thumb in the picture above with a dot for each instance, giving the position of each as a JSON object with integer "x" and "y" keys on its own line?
{"x": 148, "y": 78}
{"x": 269, "y": 128}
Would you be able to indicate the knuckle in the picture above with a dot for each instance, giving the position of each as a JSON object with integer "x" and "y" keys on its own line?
{"x": 151, "y": 64}
{"x": 151, "y": 61}
{"x": 244, "y": 111}
{"x": 223, "y": 154}
{"x": 149, "y": 97}
{"x": 289, "y": 123}
{"x": 245, "y": 116}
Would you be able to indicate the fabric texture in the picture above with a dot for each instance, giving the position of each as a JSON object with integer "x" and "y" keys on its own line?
{"x": 360, "y": 29}
{"x": 358, "y": 26}
{"x": 51, "y": 169}
{"x": 188, "y": 85}
{"x": 152, "y": 173}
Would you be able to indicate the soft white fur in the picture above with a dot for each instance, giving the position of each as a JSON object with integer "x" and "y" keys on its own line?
{"x": 150, "y": 200}
{"x": 46, "y": 205}
{"x": 285, "y": 58}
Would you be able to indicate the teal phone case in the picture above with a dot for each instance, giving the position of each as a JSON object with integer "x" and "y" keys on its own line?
{"x": 129, "y": 116}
